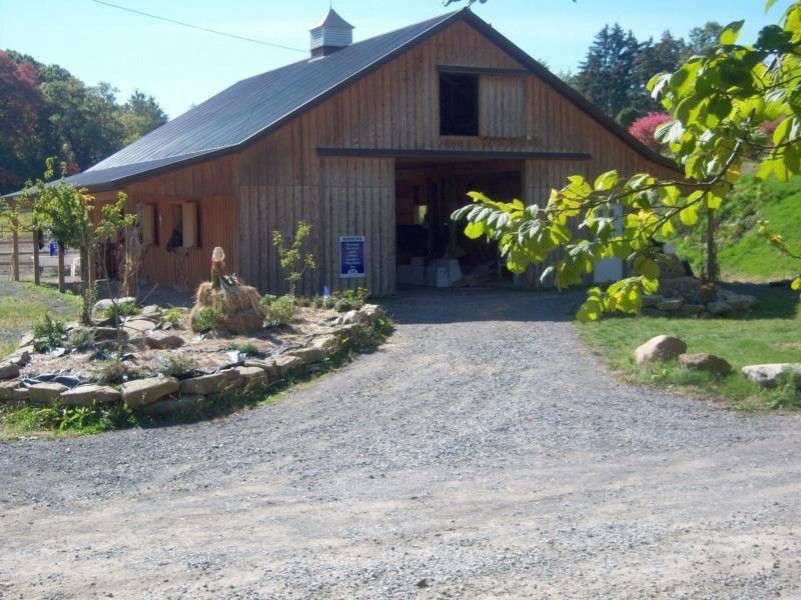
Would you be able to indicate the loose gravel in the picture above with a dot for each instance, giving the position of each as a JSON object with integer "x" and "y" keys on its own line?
{"x": 481, "y": 453}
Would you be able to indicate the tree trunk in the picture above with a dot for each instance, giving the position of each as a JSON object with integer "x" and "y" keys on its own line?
{"x": 61, "y": 285}
{"x": 36, "y": 257}
{"x": 711, "y": 246}
{"x": 86, "y": 288}
{"x": 15, "y": 247}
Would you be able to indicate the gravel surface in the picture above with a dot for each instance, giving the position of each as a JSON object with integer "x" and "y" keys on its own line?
{"x": 481, "y": 453}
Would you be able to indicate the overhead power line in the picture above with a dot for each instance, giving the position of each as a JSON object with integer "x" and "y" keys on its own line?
{"x": 198, "y": 27}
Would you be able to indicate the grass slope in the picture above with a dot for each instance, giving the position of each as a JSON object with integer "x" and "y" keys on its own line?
{"x": 768, "y": 335}
{"x": 742, "y": 253}
{"x": 22, "y": 304}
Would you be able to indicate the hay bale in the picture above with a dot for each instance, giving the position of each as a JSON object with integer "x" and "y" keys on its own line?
{"x": 240, "y": 306}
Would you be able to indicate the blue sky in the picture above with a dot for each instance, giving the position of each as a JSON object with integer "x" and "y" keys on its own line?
{"x": 181, "y": 66}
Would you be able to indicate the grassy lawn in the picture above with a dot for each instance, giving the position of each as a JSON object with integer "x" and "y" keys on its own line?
{"x": 768, "y": 335}
{"x": 22, "y": 304}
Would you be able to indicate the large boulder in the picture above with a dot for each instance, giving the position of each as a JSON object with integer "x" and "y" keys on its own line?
{"x": 103, "y": 306}
{"x": 280, "y": 366}
{"x": 43, "y": 393}
{"x": 718, "y": 308}
{"x": 86, "y": 395}
{"x": 670, "y": 304}
{"x": 141, "y": 392}
{"x": 769, "y": 375}
{"x": 9, "y": 370}
{"x": 705, "y": 362}
{"x": 738, "y": 302}
{"x": 135, "y": 325}
{"x": 170, "y": 406}
{"x": 308, "y": 355}
{"x": 661, "y": 347}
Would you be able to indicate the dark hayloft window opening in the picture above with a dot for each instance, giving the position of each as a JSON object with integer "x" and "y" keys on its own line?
{"x": 458, "y": 104}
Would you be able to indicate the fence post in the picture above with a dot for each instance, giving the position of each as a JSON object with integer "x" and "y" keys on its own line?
{"x": 36, "y": 257}
{"x": 15, "y": 243}
{"x": 61, "y": 287}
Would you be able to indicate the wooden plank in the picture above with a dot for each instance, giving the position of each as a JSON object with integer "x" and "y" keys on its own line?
{"x": 36, "y": 274}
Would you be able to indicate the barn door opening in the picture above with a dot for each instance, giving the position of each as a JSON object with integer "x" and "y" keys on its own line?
{"x": 432, "y": 250}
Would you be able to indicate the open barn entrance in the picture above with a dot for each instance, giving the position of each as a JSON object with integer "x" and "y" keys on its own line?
{"x": 432, "y": 250}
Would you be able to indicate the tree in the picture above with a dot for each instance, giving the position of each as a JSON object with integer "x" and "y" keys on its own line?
{"x": 718, "y": 102}
{"x": 703, "y": 39}
{"x": 607, "y": 75}
{"x": 66, "y": 212}
{"x": 140, "y": 115}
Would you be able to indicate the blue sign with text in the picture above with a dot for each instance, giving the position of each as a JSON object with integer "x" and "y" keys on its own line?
{"x": 351, "y": 256}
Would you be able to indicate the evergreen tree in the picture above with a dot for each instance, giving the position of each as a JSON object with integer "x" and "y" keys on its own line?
{"x": 606, "y": 77}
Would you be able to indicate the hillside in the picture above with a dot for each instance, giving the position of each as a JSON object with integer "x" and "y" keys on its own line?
{"x": 743, "y": 255}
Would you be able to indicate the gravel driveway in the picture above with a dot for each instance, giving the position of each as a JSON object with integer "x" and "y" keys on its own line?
{"x": 482, "y": 453}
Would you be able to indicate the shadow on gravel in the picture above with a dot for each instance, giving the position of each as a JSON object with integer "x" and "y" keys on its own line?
{"x": 432, "y": 306}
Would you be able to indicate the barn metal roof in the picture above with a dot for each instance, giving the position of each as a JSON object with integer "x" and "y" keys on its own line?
{"x": 252, "y": 107}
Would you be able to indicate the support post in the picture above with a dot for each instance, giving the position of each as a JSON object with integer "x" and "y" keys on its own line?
{"x": 15, "y": 243}
{"x": 61, "y": 286}
{"x": 36, "y": 257}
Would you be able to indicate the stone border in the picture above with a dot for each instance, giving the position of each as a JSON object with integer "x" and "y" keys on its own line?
{"x": 162, "y": 396}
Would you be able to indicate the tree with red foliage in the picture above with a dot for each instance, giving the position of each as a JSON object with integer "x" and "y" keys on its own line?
{"x": 20, "y": 104}
{"x": 644, "y": 128}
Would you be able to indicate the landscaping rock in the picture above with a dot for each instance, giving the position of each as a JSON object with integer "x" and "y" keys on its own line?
{"x": 686, "y": 288}
{"x": 284, "y": 365}
{"x": 142, "y": 392}
{"x": 692, "y": 309}
{"x": 206, "y": 385}
{"x": 19, "y": 358}
{"x": 349, "y": 317}
{"x": 139, "y": 325}
{"x": 171, "y": 406}
{"x": 738, "y": 302}
{"x": 369, "y": 313}
{"x": 102, "y": 334}
{"x": 21, "y": 394}
{"x": 718, "y": 307}
{"x": 670, "y": 305}
{"x": 328, "y": 344}
{"x": 7, "y": 390}
{"x": 102, "y": 306}
{"x": 158, "y": 340}
{"x": 651, "y": 300}
{"x": 769, "y": 375}
{"x": 152, "y": 311}
{"x": 26, "y": 340}
{"x": 661, "y": 347}
{"x": 705, "y": 362}
{"x": 9, "y": 370}
{"x": 308, "y": 355}
{"x": 46, "y": 392}
{"x": 86, "y": 395}
{"x": 251, "y": 375}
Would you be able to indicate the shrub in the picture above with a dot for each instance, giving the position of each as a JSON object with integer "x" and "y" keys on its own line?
{"x": 207, "y": 318}
{"x": 177, "y": 365}
{"x": 644, "y": 128}
{"x": 248, "y": 348}
{"x": 80, "y": 339}
{"x": 172, "y": 317}
{"x": 279, "y": 311}
{"x": 108, "y": 372}
{"x": 48, "y": 333}
{"x": 343, "y": 305}
{"x": 122, "y": 309}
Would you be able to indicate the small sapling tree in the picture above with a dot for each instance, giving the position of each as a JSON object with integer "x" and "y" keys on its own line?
{"x": 291, "y": 255}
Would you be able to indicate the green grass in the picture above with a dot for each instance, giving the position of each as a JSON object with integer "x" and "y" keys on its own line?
{"x": 22, "y": 304}
{"x": 744, "y": 255}
{"x": 768, "y": 335}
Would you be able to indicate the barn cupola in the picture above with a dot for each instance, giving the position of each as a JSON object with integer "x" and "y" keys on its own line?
{"x": 332, "y": 33}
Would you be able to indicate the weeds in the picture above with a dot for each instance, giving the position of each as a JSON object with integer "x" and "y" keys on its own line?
{"x": 48, "y": 333}
{"x": 172, "y": 317}
{"x": 207, "y": 318}
{"x": 177, "y": 365}
{"x": 279, "y": 310}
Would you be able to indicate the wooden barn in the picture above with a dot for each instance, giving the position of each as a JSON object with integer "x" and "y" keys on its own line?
{"x": 374, "y": 143}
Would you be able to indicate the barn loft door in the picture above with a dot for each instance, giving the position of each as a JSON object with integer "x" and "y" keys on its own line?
{"x": 502, "y": 106}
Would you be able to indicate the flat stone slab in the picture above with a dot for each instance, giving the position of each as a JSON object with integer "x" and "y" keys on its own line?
{"x": 205, "y": 385}
{"x": 139, "y": 325}
{"x": 158, "y": 340}
{"x": 307, "y": 355}
{"x": 9, "y": 370}
{"x": 102, "y": 306}
{"x": 86, "y": 395}
{"x": 671, "y": 304}
{"x": 46, "y": 392}
{"x": 142, "y": 392}
{"x": 768, "y": 375}
{"x": 172, "y": 406}
{"x": 7, "y": 390}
